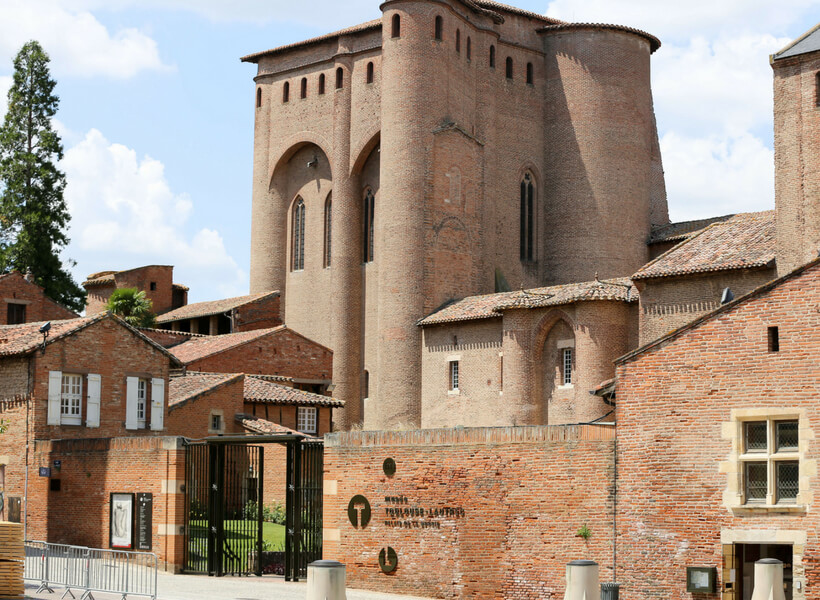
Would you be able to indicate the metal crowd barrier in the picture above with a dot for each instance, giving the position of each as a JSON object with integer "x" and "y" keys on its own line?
{"x": 91, "y": 570}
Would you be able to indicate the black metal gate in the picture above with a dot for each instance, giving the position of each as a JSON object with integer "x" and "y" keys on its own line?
{"x": 304, "y": 507}
{"x": 223, "y": 485}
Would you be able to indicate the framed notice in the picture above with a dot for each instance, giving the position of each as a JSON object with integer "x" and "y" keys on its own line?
{"x": 145, "y": 508}
{"x": 121, "y": 522}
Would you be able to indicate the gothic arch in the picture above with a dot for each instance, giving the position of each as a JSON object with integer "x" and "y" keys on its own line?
{"x": 293, "y": 144}
{"x": 361, "y": 153}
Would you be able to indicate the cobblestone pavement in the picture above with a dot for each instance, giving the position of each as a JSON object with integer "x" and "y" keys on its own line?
{"x": 200, "y": 587}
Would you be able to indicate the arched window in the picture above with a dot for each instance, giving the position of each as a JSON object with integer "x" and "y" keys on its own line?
{"x": 321, "y": 84}
{"x": 298, "y": 236}
{"x": 368, "y": 217}
{"x": 328, "y": 228}
{"x": 286, "y": 92}
{"x": 303, "y": 91}
{"x": 509, "y": 68}
{"x": 527, "y": 218}
{"x": 529, "y": 73}
{"x": 492, "y": 57}
{"x": 396, "y": 30}
{"x": 439, "y": 27}
{"x": 458, "y": 41}
{"x": 469, "y": 48}
{"x": 258, "y": 97}
{"x": 370, "y": 72}
{"x": 340, "y": 78}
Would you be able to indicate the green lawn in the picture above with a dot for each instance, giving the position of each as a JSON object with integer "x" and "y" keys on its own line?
{"x": 238, "y": 541}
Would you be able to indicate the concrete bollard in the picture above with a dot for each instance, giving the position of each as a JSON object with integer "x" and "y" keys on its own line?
{"x": 326, "y": 580}
{"x": 582, "y": 581}
{"x": 768, "y": 583}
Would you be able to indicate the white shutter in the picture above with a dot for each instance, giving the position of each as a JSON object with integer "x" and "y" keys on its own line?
{"x": 131, "y": 402}
{"x": 55, "y": 390}
{"x": 92, "y": 413}
{"x": 157, "y": 404}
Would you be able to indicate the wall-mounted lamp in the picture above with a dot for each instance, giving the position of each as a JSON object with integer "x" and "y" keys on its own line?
{"x": 44, "y": 329}
{"x": 313, "y": 163}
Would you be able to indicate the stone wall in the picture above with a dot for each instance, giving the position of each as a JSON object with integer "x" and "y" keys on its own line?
{"x": 501, "y": 508}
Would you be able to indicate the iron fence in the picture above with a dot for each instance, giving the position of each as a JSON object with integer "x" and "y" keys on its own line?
{"x": 91, "y": 570}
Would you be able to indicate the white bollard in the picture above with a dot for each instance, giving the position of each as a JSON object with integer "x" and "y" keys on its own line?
{"x": 326, "y": 580}
{"x": 582, "y": 581}
{"x": 768, "y": 583}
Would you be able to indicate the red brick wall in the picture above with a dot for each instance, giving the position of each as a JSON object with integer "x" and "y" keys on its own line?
{"x": 93, "y": 469}
{"x": 261, "y": 314}
{"x": 281, "y": 353}
{"x": 192, "y": 419}
{"x": 674, "y": 403}
{"x": 524, "y": 493}
{"x": 39, "y": 307}
{"x": 142, "y": 277}
{"x": 167, "y": 338}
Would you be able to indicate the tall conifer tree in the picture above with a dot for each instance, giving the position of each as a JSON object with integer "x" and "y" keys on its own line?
{"x": 33, "y": 213}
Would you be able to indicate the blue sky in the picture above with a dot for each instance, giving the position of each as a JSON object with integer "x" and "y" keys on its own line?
{"x": 156, "y": 112}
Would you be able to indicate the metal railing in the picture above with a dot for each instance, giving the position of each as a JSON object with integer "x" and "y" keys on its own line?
{"x": 90, "y": 570}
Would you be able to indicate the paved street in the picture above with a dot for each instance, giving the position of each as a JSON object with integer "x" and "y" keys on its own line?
{"x": 200, "y": 587}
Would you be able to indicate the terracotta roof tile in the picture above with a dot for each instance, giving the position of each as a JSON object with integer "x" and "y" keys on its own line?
{"x": 261, "y": 389}
{"x": 257, "y": 425}
{"x": 654, "y": 43}
{"x": 498, "y": 6}
{"x": 744, "y": 241}
{"x": 490, "y": 305}
{"x": 26, "y": 338}
{"x": 212, "y": 307}
{"x": 192, "y": 385}
{"x": 198, "y": 348}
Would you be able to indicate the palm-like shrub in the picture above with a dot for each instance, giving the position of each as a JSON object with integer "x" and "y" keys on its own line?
{"x": 133, "y": 306}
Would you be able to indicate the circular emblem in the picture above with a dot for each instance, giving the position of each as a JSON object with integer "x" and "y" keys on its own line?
{"x": 358, "y": 511}
{"x": 388, "y": 560}
{"x": 389, "y": 467}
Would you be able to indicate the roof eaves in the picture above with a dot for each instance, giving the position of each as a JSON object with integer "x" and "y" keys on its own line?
{"x": 654, "y": 43}
{"x": 230, "y": 378}
{"x": 718, "y": 311}
{"x": 361, "y": 28}
{"x": 262, "y": 333}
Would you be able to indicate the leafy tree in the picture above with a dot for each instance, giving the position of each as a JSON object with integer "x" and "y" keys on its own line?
{"x": 133, "y": 306}
{"x": 33, "y": 213}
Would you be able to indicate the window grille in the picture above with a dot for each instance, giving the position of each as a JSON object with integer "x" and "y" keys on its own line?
{"x": 216, "y": 422}
{"x": 771, "y": 472}
{"x": 306, "y": 419}
{"x": 788, "y": 481}
{"x": 142, "y": 402}
{"x": 566, "y": 374}
{"x": 454, "y": 382}
{"x": 756, "y": 436}
{"x": 71, "y": 400}
{"x": 298, "y": 263}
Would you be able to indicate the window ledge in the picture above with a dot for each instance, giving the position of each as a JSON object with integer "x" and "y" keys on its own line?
{"x": 567, "y": 386}
{"x": 453, "y": 392}
{"x": 768, "y": 509}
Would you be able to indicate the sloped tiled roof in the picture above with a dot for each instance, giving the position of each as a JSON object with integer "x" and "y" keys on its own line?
{"x": 677, "y": 232}
{"x": 192, "y": 385}
{"x": 101, "y": 278}
{"x": 745, "y": 241}
{"x": 808, "y": 42}
{"x": 212, "y": 307}
{"x": 262, "y": 389}
{"x": 499, "y": 7}
{"x": 257, "y": 425}
{"x": 198, "y": 348}
{"x": 490, "y": 305}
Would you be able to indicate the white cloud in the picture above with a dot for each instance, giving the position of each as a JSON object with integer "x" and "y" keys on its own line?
{"x": 124, "y": 214}
{"x": 720, "y": 174}
{"x": 76, "y": 41}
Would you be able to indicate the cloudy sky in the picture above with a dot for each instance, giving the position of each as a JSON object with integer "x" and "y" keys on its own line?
{"x": 156, "y": 112}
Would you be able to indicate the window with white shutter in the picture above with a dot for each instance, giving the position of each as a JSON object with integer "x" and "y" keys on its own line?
{"x": 131, "y": 420}
{"x": 92, "y": 417}
{"x": 157, "y": 404}
{"x": 55, "y": 385}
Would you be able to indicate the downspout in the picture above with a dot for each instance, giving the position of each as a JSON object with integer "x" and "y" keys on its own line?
{"x": 29, "y": 396}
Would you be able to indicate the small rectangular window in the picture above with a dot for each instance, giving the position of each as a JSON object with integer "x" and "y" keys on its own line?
{"x": 786, "y": 436}
{"x": 16, "y": 314}
{"x": 756, "y": 482}
{"x": 788, "y": 481}
{"x": 566, "y": 378}
{"x": 71, "y": 400}
{"x": 216, "y": 422}
{"x": 454, "y": 382}
{"x": 306, "y": 419}
{"x": 774, "y": 339}
{"x": 153, "y": 286}
{"x": 755, "y": 436}
{"x": 142, "y": 402}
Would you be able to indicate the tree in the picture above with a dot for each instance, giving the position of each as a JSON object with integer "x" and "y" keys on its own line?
{"x": 133, "y": 306}
{"x": 33, "y": 213}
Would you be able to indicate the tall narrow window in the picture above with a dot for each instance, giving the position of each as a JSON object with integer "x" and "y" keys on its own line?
{"x": 566, "y": 366}
{"x": 321, "y": 84}
{"x": 454, "y": 378}
{"x": 142, "y": 402}
{"x": 258, "y": 97}
{"x": 469, "y": 48}
{"x": 71, "y": 398}
{"x": 370, "y": 72}
{"x": 328, "y": 228}
{"x": 439, "y": 27}
{"x": 509, "y": 67}
{"x": 286, "y": 92}
{"x": 303, "y": 90}
{"x": 340, "y": 78}
{"x": 366, "y": 385}
{"x": 774, "y": 339}
{"x": 527, "y": 230}
{"x": 492, "y": 57}
{"x": 396, "y": 30}
{"x": 368, "y": 232}
{"x": 298, "y": 254}
{"x": 458, "y": 40}
{"x": 529, "y": 73}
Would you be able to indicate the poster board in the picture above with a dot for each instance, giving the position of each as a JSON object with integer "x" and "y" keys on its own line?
{"x": 121, "y": 522}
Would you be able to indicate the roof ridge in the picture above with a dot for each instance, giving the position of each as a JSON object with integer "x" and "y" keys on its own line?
{"x": 793, "y": 43}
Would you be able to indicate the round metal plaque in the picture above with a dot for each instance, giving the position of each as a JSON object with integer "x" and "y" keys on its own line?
{"x": 389, "y": 467}
{"x": 353, "y": 513}
{"x": 388, "y": 560}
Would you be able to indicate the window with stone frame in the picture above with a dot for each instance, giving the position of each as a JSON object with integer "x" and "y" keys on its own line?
{"x": 306, "y": 419}
{"x": 770, "y": 461}
{"x": 454, "y": 376}
{"x": 71, "y": 400}
{"x": 566, "y": 366}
